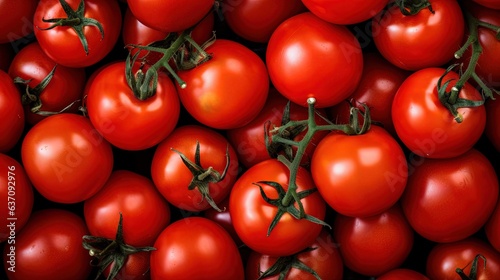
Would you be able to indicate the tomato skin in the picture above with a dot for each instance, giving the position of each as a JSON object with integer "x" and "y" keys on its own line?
{"x": 339, "y": 166}
{"x": 125, "y": 121}
{"x": 62, "y": 44}
{"x": 66, "y": 159}
{"x": 136, "y": 267}
{"x": 178, "y": 253}
{"x": 229, "y": 90}
{"x": 492, "y": 228}
{"x": 444, "y": 258}
{"x": 374, "y": 245}
{"x": 298, "y": 44}
{"x": 17, "y": 194}
{"x": 50, "y": 247}
{"x": 16, "y": 19}
{"x": 492, "y": 129}
{"x": 420, "y": 41}
{"x": 402, "y": 273}
{"x": 11, "y": 113}
{"x": 172, "y": 177}
{"x": 252, "y": 215}
{"x": 425, "y": 126}
{"x": 255, "y": 20}
{"x": 340, "y": 12}
{"x": 440, "y": 200}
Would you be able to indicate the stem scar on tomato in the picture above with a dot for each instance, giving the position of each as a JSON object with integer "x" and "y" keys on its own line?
{"x": 283, "y": 265}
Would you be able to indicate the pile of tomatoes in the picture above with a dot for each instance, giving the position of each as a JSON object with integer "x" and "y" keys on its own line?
{"x": 244, "y": 139}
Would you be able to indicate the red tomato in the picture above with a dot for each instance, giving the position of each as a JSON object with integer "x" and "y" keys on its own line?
{"x": 442, "y": 195}
{"x": 62, "y": 43}
{"x": 340, "y": 165}
{"x": 308, "y": 57}
{"x": 402, "y": 273}
{"x": 492, "y": 129}
{"x": 426, "y": 126}
{"x": 493, "y": 4}
{"x": 419, "y": 41}
{"x": 6, "y": 56}
{"x": 195, "y": 248}
{"x": 252, "y": 215}
{"x": 445, "y": 258}
{"x": 174, "y": 179}
{"x": 125, "y": 121}
{"x": 66, "y": 159}
{"x": 136, "y": 267}
{"x": 492, "y": 228}
{"x": 255, "y": 20}
{"x": 49, "y": 247}
{"x": 11, "y": 113}
{"x": 64, "y": 89}
{"x": 16, "y": 19}
{"x": 342, "y": 12}
{"x": 322, "y": 256}
{"x": 17, "y": 194}
{"x": 374, "y": 245}
{"x": 229, "y": 90}
{"x": 170, "y": 15}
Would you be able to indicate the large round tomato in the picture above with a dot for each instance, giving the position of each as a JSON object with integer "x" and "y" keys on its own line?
{"x": 227, "y": 91}
{"x": 49, "y": 247}
{"x": 340, "y": 165}
{"x": 63, "y": 44}
{"x": 448, "y": 200}
{"x": 123, "y": 119}
{"x": 426, "y": 126}
{"x": 11, "y": 113}
{"x": 308, "y": 57}
{"x": 492, "y": 228}
{"x": 426, "y": 39}
{"x": 195, "y": 248}
{"x": 374, "y": 245}
{"x": 16, "y": 19}
{"x": 252, "y": 215}
{"x": 342, "y": 12}
{"x": 66, "y": 159}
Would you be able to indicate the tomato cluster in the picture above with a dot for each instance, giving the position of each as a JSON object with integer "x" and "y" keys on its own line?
{"x": 244, "y": 139}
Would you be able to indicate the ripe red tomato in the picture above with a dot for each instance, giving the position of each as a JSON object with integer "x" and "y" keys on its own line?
{"x": 11, "y": 113}
{"x": 427, "y": 39}
{"x": 340, "y": 165}
{"x": 17, "y": 195}
{"x": 309, "y": 57}
{"x": 492, "y": 129}
{"x": 426, "y": 126}
{"x": 402, "y": 273}
{"x": 66, "y": 159}
{"x": 196, "y": 248}
{"x": 125, "y": 121}
{"x": 64, "y": 89}
{"x": 173, "y": 178}
{"x": 445, "y": 258}
{"x": 16, "y": 19}
{"x": 62, "y": 43}
{"x": 442, "y": 195}
{"x": 374, "y": 245}
{"x": 252, "y": 215}
{"x": 256, "y": 20}
{"x": 342, "y": 12}
{"x": 49, "y": 247}
{"x": 492, "y": 228}
{"x": 229, "y": 90}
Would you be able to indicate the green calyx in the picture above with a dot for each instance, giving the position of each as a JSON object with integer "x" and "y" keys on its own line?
{"x": 413, "y": 7}
{"x": 283, "y": 265}
{"x": 76, "y": 20}
{"x": 473, "y": 269}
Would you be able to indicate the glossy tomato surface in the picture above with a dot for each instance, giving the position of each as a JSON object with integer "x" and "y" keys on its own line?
{"x": 345, "y": 13}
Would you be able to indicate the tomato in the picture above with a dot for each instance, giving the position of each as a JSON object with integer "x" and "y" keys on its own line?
{"x": 66, "y": 159}
{"x": 442, "y": 195}
{"x": 11, "y": 113}
{"x": 492, "y": 4}
{"x": 308, "y": 57}
{"x": 426, "y": 126}
{"x": 16, "y": 19}
{"x": 6, "y": 56}
{"x": 402, "y": 273}
{"x": 195, "y": 248}
{"x": 63, "y": 44}
{"x": 229, "y": 90}
{"x": 252, "y": 215}
{"x": 49, "y": 247}
{"x": 492, "y": 228}
{"x": 64, "y": 88}
{"x": 445, "y": 258}
{"x": 427, "y": 39}
{"x": 378, "y": 86}
{"x": 374, "y": 245}
{"x": 17, "y": 194}
{"x": 174, "y": 179}
{"x": 341, "y": 12}
{"x": 322, "y": 256}
{"x": 123, "y": 119}
{"x": 170, "y": 15}
{"x": 492, "y": 130}
{"x": 340, "y": 165}
{"x": 256, "y": 20}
